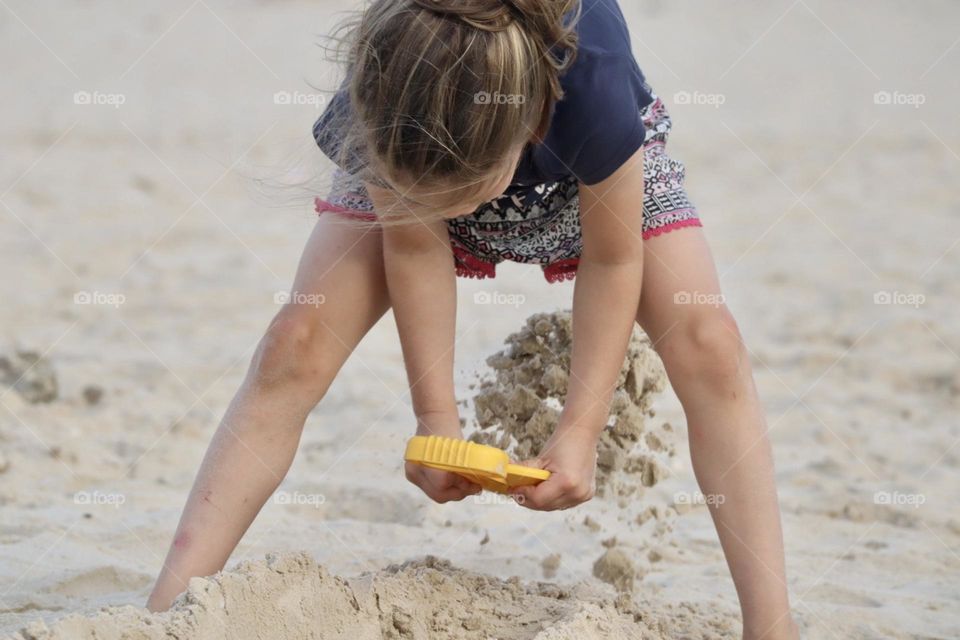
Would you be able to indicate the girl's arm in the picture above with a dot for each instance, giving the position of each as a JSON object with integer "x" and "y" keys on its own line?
{"x": 421, "y": 280}
{"x": 605, "y": 302}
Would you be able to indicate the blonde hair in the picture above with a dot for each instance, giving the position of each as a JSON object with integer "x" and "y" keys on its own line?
{"x": 444, "y": 91}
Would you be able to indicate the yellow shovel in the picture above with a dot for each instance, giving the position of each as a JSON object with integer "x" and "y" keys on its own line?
{"x": 486, "y": 466}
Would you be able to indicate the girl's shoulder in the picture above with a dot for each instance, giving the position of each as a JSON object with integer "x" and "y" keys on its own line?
{"x": 597, "y": 125}
{"x": 605, "y": 75}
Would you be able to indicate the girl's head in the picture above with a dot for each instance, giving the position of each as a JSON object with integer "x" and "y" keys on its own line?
{"x": 446, "y": 93}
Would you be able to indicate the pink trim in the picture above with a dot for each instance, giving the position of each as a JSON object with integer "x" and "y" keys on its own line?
{"x": 567, "y": 269}
{"x": 470, "y": 266}
{"x": 562, "y": 270}
{"x": 474, "y": 275}
{"x": 322, "y": 206}
{"x": 673, "y": 226}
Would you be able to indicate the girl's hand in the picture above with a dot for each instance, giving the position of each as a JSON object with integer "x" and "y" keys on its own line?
{"x": 571, "y": 458}
{"x": 440, "y": 486}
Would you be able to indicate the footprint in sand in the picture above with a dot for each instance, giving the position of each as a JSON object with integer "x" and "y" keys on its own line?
{"x": 102, "y": 580}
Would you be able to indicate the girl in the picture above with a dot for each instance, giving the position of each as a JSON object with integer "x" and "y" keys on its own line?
{"x": 470, "y": 132}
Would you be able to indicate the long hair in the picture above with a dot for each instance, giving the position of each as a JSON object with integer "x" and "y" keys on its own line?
{"x": 443, "y": 91}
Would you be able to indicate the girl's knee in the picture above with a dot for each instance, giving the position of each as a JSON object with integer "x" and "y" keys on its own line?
{"x": 705, "y": 345}
{"x": 295, "y": 349}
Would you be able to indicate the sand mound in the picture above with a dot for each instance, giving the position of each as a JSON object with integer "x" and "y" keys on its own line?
{"x": 291, "y": 597}
{"x": 518, "y": 406}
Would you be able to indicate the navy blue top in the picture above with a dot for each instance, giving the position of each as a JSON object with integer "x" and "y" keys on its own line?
{"x": 597, "y": 125}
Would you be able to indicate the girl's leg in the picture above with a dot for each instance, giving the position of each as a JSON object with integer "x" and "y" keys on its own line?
{"x": 708, "y": 366}
{"x": 341, "y": 294}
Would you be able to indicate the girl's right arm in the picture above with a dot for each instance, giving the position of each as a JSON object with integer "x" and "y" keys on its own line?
{"x": 421, "y": 280}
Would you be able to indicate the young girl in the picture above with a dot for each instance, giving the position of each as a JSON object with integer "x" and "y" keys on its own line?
{"x": 470, "y": 132}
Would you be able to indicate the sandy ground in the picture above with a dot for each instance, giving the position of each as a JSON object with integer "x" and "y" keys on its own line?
{"x": 141, "y": 261}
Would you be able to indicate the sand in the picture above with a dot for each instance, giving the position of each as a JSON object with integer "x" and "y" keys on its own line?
{"x": 517, "y": 407}
{"x": 828, "y": 214}
{"x": 291, "y": 597}
{"x": 30, "y": 375}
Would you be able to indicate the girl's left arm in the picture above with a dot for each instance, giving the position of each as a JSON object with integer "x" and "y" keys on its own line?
{"x": 605, "y": 301}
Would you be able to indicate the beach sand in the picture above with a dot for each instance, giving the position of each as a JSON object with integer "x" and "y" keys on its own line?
{"x": 144, "y": 256}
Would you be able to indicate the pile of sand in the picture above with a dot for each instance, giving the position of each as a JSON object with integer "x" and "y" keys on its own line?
{"x": 518, "y": 406}
{"x": 291, "y": 597}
